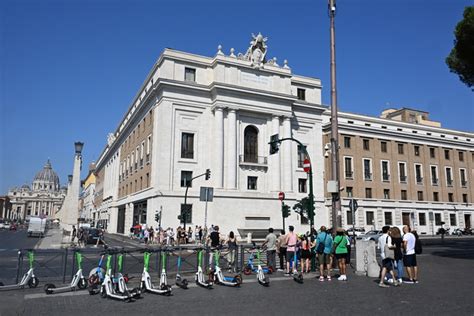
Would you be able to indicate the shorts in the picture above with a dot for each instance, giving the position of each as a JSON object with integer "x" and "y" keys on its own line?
{"x": 324, "y": 258}
{"x": 340, "y": 256}
{"x": 388, "y": 264}
{"x": 306, "y": 254}
{"x": 409, "y": 260}
{"x": 290, "y": 255}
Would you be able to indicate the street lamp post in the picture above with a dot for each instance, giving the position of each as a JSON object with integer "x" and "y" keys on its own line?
{"x": 336, "y": 201}
{"x": 184, "y": 213}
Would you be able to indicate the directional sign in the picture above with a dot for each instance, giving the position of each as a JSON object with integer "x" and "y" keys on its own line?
{"x": 281, "y": 196}
{"x": 306, "y": 165}
{"x": 353, "y": 205}
{"x": 206, "y": 194}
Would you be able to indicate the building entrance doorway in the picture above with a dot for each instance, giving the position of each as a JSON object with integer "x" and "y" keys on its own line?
{"x": 121, "y": 220}
{"x": 467, "y": 220}
{"x": 406, "y": 218}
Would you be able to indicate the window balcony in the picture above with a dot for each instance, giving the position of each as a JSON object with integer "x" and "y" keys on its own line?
{"x": 435, "y": 181}
{"x": 449, "y": 182}
{"x": 253, "y": 160}
{"x": 141, "y": 163}
{"x": 368, "y": 176}
{"x": 349, "y": 175}
{"x": 464, "y": 184}
{"x": 419, "y": 180}
{"x": 403, "y": 179}
{"x": 386, "y": 178}
{"x": 147, "y": 159}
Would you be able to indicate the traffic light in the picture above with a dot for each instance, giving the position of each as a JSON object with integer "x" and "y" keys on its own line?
{"x": 157, "y": 217}
{"x": 180, "y": 217}
{"x": 208, "y": 174}
{"x": 274, "y": 144}
{"x": 285, "y": 210}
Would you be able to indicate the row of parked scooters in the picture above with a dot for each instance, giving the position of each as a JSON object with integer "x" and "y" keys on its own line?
{"x": 112, "y": 283}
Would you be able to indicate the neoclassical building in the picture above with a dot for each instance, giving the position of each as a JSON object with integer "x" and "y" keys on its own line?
{"x": 194, "y": 113}
{"x": 43, "y": 198}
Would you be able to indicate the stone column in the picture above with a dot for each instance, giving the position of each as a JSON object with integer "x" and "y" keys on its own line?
{"x": 218, "y": 169}
{"x": 232, "y": 157}
{"x": 286, "y": 151}
{"x": 275, "y": 158}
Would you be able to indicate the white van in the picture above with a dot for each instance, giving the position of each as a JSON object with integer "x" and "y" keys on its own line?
{"x": 36, "y": 227}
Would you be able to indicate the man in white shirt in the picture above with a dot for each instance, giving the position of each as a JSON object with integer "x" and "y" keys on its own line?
{"x": 409, "y": 259}
{"x": 387, "y": 263}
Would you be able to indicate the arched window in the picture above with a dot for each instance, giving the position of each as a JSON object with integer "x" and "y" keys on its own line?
{"x": 251, "y": 144}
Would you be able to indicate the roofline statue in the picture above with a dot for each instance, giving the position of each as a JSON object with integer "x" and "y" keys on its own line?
{"x": 257, "y": 51}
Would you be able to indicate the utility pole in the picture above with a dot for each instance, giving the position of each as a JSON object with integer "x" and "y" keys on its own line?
{"x": 336, "y": 200}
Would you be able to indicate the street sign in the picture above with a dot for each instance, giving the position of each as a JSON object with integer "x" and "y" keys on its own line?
{"x": 306, "y": 165}
{"x": 281, "y": 196}
{"x": 353, "y": 205}
{"x": 206, "y": 194}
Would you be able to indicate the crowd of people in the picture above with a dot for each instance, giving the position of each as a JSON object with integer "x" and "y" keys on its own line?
{"x": 169, "y": 236}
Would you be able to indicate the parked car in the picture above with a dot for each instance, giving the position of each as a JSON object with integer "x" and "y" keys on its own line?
{"x": 358, "y": 231}
{"x": 3, "y": 225}
{"x": 371, "y": 235}
{"x": 92, "y": 235}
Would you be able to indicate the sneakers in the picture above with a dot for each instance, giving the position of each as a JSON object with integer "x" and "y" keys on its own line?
{"x": 321, "y": 279}
{"x": 415, "y": 281}
{"x": 287, "y": 274}
{"x": 329, "y": 278}
{"x": 383, "y": 285}
{"x": 342, "y": 277}
{"x": 409, "y": 282}
{"x": 280, "y": 270}
{"x": 400, "y": 281}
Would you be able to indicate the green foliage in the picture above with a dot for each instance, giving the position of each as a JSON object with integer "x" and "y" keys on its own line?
{"x": 302, "y": 207}
{"x": 461, "y": 59}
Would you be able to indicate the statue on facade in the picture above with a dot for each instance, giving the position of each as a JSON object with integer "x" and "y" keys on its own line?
{"x": 257, "y": 51}
{"x": 110, "y": 138}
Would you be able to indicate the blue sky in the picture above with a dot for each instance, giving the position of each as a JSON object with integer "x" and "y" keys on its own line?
{"x": 69, "y": 69}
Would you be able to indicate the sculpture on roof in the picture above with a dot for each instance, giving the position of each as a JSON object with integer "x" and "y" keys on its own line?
{"x": 257, "y": 51}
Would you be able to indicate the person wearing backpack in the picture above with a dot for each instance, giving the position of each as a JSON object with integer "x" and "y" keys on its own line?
{"x": 409, "y": 259}
{"x": 323, "y": 250}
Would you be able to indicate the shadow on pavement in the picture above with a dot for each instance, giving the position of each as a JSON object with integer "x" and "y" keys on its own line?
{"x": 459, "y": 249}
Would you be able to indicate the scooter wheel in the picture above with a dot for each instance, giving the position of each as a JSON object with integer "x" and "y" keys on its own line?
{"x": 238, "y": 279}
{"x": 82, "y": 284}
{"x": 1, "y": 284}
{"x": 33, "y": 282}
{"x": 247, "y": 271}
{"x": 47, "y": 288}
{"x": 103, "y": 292}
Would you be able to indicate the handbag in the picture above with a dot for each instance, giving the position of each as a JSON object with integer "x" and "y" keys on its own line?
{"x": 388, "y": 250}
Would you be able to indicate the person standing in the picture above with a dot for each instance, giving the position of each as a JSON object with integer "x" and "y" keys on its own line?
{"x": 305, "y": 254}
{"x": 290, "y": 240}
{"x": 214, "y": 240}
{"x": 340, "y": 251}
{"x": 384, "y": 243}
{"x": 281, "y": 249}
{"x": 232, "y": 245}
{"x": 74, "y": 232}
{"x": 146, "y": 235}
{"x": 409, "y": 259}
{"x": 270, "y": 242}
{"x": 323, "y": 250}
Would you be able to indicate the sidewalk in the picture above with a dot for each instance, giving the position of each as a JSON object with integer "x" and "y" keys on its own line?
{"x": 53, "y": 239}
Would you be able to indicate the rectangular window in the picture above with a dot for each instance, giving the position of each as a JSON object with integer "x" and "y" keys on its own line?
{"x": 400, "y": 149}
{"x": 388, "y": 218}
{"x": 437, "y": 219}
{"x": 420, "y": 195}
{"x": 148, "y": 149}
{"x": 452, "y": 219}
{"x": 383, "y": 147}
{"x": 432, "y": 153}
{"x": 251, "y": 183}
{"x": 464, "y": 198}
{"x": 186, "y": 177}
{"x": 461, "y": 156}
{"x": 302, "y": 185}
{"x": 142, "y": 151}
{"x": 436, "y": 196}
{"x": 367, "y": 170}
{"x": 434, "y": 175}
{"x": 403, "y": 195}
{"x": 449, "y": 177}
{"x": 402, "y": 172}
{"x": 187, "y": 145}
{"x": 462, "y": 176}
{"x": 347, "y": 142}
{"x": 422, "y": 219}
{"x": 369, "y": 218}
{"x": 190, "y": 74}
{"x": 368, "y": 193}
{"x": 366, "y": 144}
{"x": 385, "y": 171}
{"x": 349, "y": 191}
{"x": 348, "y": 168}
{"x": 450, "y": 197}
{"x": 446, "y": 154}
{"x": 301, "y": 94}
{"x": 147, "y": 180}
{"x": 386, "y": 194}
{"x": 416, "y": 150}
{"x": 186, "y": 213}
{"x": 349, "y": 218}
{"x": 418, "y": 174}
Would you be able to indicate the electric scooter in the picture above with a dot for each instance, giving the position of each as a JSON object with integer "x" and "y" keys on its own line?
{"x": 77, "y": 280}
{"x": 298, "y": 277}
{"x": 219, "y": 277}
{"x": 107, "y": 286}
{"x": 199, "y": 278}
{"x": 180, "y": 281}
{"x": 96, "y": 277}
{"x": 146, "y": 285}
{"x": 120, "y": 280}
{"x": 261, "y": 277}
{"x": 28, "y": 278}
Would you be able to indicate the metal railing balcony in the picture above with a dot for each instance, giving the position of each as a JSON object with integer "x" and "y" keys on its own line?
{"x": 258, "y": 160}
{"x": 435, "y": 181}
{"x": 403, "y": 179}
{"x": 419, "y": 180}
{"x": 386, "y": 177}
{"x": 368, "y": 176}
{"x": 349, "y": 175}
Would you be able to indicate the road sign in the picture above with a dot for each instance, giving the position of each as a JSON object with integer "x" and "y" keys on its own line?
{"x": 206, "y": 194}
{"x": 281, "y": 196}
{"x": 306, "y": 165}
{"x": 353, "y": 205}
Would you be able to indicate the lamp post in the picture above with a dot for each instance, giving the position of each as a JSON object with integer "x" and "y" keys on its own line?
{"x": 336, "y": 201}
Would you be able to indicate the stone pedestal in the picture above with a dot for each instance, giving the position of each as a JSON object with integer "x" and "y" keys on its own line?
{"x": 366, "y": 261}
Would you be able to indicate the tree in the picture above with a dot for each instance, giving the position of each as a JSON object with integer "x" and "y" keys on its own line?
{"x": 302, "y": 207}
{"x": 461, "y": 59}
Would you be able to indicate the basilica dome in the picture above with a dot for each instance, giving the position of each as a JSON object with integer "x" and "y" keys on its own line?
{"x": 46, "y": 179}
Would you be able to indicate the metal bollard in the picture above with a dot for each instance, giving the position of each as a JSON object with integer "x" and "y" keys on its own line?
{"x": 19, "y": 265}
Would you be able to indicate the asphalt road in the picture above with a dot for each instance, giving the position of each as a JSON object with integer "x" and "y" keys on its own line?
{"x": 11, "y": 240}
{"x": 445, "y": 288}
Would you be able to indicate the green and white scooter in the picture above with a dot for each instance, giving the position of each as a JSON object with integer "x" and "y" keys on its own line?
{"x": 121, "y": 280}
{"x": 146, "y": 285}
{"x": 28, "y": 278}
{"x": 199, "y": 278}
{"x": 219, "y": 277}
{"x": 107, "y": 288}
{"x": 78, "y": 280}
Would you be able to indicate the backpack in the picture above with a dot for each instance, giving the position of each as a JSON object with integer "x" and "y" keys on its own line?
{"x": 418, "y": 247}
{"x": 322, "y": 245}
